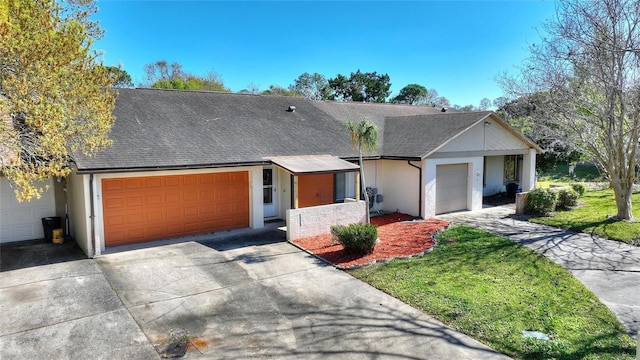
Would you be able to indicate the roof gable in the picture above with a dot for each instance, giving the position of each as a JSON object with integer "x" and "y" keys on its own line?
{"x": 418, "y": 136}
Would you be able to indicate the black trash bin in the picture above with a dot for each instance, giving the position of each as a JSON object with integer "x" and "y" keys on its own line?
{"x": 49, "y": 224}
{"x": 512, "y": 189}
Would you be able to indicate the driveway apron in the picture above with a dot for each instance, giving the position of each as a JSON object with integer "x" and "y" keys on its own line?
{"x": 257, "y": 297}
{"x": 610, "y": 269}
{"x": 252, "y": 296}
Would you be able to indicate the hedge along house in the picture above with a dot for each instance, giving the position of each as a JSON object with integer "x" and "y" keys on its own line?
{"x": 187, "y": 162}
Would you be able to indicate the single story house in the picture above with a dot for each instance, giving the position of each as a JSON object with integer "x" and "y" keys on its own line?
{"x": 191, "y": 162}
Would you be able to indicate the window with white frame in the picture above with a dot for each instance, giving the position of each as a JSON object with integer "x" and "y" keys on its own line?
{"x": 512, "y": 168}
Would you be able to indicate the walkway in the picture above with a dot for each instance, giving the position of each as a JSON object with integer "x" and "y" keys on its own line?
{"x": 610, "y": 269}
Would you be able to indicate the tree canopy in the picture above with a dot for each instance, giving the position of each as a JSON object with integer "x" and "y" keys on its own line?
{"x": 280, "y": 91}
{"x": 55, "y": 98}
{"x": 162, "y": 75}
{"x": 312, "y": 86}
{"x": 412, "y": 94}
{"x": 360, "y": 87}
{"x": 589, "y": 64}
{"x": 122, "y": 79}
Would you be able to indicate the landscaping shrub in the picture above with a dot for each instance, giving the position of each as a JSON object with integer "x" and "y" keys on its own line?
{"x": 578, "y": 188}
{"x": 357, "y": 239}
{"x": 567, "y": 198}
{"x": 541, "y": 202}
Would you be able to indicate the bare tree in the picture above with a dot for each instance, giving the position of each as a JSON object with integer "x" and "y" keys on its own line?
{"x": 162, "y": 70}
{"x": 588, "y": 64}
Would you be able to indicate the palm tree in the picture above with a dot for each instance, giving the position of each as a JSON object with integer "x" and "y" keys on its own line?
{"x": 364, "y": 135}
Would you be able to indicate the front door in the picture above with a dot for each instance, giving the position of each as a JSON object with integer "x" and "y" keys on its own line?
{"x": 269, "y": 192}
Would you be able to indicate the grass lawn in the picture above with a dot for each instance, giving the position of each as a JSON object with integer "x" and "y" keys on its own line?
{"x": 559, "y": 174}
{"x": 591, "y": 216}
{"x": 493, "y": 289}
{"x": 596, "y": 207}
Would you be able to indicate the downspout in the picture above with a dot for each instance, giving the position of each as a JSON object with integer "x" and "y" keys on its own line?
{"x": 92, "y": 241}
{"x": 419, "y": 187}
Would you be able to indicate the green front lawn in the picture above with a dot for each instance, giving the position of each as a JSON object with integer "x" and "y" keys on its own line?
{"x": 560, "y": 174}
{"x": 493, "y": 289}
{"x": 594, "y": 214}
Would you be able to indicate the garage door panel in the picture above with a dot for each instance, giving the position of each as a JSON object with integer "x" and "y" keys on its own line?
{"x": 135, "y": 200}
{"x": 451, "y": 187}
{"x": 170, "y": 206}
{"x": 154, "y": 199}
{"x": 154, "y": 182}
{"x": 134, "y": 183}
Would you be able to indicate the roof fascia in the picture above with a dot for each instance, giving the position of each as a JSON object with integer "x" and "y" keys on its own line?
{"x": 164, "y": 168}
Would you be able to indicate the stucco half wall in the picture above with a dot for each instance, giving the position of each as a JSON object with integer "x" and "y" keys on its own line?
{"x": 317, "y": 220}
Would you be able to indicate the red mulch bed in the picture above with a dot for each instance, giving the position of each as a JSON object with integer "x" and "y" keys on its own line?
{"x": 398, "y": 238}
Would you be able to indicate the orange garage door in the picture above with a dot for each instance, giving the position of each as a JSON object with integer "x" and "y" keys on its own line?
{"x": 158, "y": 207}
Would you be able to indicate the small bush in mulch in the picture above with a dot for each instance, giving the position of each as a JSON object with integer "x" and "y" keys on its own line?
{"x": 357, "y": 239}
{"x": 397, "y": 238}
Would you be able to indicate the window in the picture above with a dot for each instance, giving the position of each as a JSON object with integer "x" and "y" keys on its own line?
{"x": 512, "y": 168}
{"x": 343, "y": 184}
{"x": 267, "y": 186}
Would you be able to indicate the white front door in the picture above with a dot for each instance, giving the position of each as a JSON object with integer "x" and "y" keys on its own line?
{"x": 269, "y": 181}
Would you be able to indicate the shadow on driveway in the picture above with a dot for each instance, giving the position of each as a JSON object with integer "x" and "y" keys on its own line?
{"x": 26, "y": 254}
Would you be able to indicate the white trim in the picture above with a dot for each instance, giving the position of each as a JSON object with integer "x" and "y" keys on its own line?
{"x": 474, "y": 190}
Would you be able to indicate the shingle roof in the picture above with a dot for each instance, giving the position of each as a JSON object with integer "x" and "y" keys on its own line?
{"x": 168, "y": 128}
{"x": 417, "y": 136}
{"x": 194, "y": 129}
{"x": 375, "y": 113}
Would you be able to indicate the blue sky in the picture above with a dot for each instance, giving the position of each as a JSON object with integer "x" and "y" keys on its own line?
{"x": 455, "y": 47}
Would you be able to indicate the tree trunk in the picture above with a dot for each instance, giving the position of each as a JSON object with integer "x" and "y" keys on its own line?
{"x": 622, "y": 195}
{"x": 364, "y": 189}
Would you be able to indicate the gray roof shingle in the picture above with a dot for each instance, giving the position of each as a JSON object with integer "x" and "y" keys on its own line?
{"x": 417, "y": 136}
{"x": 169, "y": 128}
{"x": 195, "y": 129}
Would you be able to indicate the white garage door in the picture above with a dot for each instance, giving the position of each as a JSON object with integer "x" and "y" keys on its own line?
{"x": 22, "y": 221}
{"x": 451, "y": 188}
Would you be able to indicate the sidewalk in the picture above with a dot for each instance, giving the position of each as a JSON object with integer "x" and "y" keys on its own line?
{"x": 610, "y": 269}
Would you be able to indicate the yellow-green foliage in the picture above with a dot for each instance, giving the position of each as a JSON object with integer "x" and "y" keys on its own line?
{"x": 55, "y": 98}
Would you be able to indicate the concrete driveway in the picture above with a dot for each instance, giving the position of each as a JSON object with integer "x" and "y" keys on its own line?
{"x": 250, "y": 296}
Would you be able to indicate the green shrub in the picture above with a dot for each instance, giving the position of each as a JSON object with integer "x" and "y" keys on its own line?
{"x": 357, "y": 239}
{"x": 578, "y": 188}
{"x": 567, "y": 198}
{"x": 541, "y": 202}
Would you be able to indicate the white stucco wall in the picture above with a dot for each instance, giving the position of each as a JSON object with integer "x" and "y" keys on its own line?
{"x": 494, "y": 175}
{"x": 372, "y": 174}
{"x": 474, "y": 201}
{"x": 528, "y": 171}
{"x": 317, "y": 220}
{"x": 22, "y": 220}
{"x": 401, "y": 186}
{"x": 79, "y": 211}
{"x": 283, "y": 191}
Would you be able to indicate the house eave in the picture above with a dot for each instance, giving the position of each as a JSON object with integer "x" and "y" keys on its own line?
{"x": 171, "y": 167}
